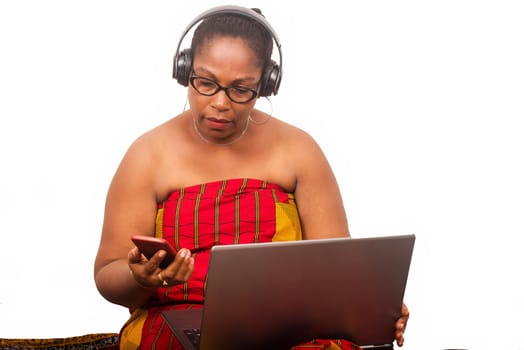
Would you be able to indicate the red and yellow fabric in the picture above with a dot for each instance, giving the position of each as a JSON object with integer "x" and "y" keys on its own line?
{"x": 198, "y": 217}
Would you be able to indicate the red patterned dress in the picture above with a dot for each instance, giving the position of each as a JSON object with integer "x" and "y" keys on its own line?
{"x": 198, "y": 217}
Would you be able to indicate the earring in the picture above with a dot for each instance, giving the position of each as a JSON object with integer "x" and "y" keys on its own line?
{"x": 270, "y": 114}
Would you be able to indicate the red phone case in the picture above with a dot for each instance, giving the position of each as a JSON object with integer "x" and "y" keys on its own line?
{"x": 150, "y": 245}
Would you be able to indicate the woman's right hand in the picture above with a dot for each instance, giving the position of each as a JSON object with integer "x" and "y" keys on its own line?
{"x": 148, "y": 274}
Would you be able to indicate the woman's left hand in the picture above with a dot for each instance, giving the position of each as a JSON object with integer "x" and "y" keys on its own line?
{"x": 400, "y": 326}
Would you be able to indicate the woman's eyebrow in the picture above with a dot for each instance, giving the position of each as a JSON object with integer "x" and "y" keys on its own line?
{"x": 208, "y": 74}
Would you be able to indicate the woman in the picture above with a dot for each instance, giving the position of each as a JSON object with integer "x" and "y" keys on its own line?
{"x": 221, "y": 172}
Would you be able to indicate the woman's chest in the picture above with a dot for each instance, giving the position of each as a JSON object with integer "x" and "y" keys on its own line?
{"x": 183, "y": 170}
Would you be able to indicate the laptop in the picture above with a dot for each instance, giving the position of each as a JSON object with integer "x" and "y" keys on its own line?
{"x": 280, "y": 294}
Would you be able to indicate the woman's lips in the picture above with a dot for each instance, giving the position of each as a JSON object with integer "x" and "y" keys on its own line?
{"x": 215, "y": 123}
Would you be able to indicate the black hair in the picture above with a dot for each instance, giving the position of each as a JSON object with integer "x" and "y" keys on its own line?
{"x": 257, "y": 36}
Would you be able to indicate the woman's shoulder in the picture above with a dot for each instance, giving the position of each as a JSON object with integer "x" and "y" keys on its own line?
{"x": 155, "y": 137}
{"x": 291, "y": 135}
{"x": 147, "y": 151}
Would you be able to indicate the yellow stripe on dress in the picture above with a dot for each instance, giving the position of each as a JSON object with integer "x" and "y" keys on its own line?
{"x": 159, "y": 232}
{"x": 257, "y": 216}
{"x": 287, "y": 221}
{"x": 237, "y": 211}
{"x": 132, "y": 330}
{"x": 217, "y": 211}
{"x": 195, "y": 215}
{"x": 177, "y": 216}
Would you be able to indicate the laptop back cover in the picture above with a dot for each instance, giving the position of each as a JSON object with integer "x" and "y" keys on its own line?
{"x": 280, "y": 294}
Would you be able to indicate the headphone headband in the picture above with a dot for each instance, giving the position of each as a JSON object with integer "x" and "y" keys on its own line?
{"x": 271, "y": 75}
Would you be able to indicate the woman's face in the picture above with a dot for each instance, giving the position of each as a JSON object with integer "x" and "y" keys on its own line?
{"x": 229, "y": 62}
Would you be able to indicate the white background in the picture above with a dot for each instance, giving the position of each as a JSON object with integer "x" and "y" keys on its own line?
{"x": 417, "y": 104}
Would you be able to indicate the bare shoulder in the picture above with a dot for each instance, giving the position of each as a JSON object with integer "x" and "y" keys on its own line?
{"x": 292, "y": 136}
{"x": 298, "y": 143}
{"x": 150, "y": 146}
{"x": 144, "y": 156}
{"x": 316, "y": 190}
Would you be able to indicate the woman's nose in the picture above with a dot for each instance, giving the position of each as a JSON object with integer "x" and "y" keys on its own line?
{"x": 220, "y": 100}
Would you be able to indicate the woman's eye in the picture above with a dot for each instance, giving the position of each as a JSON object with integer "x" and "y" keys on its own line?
{"x": 240, "y": 90}
{"x": 207, "y": 84}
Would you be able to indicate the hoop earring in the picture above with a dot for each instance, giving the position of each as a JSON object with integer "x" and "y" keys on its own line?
{"x": 270, "y": 114}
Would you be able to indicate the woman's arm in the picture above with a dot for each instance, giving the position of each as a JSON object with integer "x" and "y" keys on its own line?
{"x": 317, "y": 194}
{"x": 130, "y": 209}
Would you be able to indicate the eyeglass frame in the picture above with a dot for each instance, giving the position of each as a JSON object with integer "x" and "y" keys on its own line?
{"x": 224, "y": 88}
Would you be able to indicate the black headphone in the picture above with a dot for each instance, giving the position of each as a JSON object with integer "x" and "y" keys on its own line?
{"x": 272, "y": 73}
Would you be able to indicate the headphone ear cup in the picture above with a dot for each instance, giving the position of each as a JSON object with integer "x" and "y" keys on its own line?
{"x": 270, "y": 80}
{"x": 182, "y": 67}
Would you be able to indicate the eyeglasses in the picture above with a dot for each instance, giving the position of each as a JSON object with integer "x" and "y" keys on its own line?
{"x": 208, "y": 87}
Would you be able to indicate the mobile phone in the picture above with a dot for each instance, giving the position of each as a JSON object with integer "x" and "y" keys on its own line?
{"x": 150, "y": 245}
